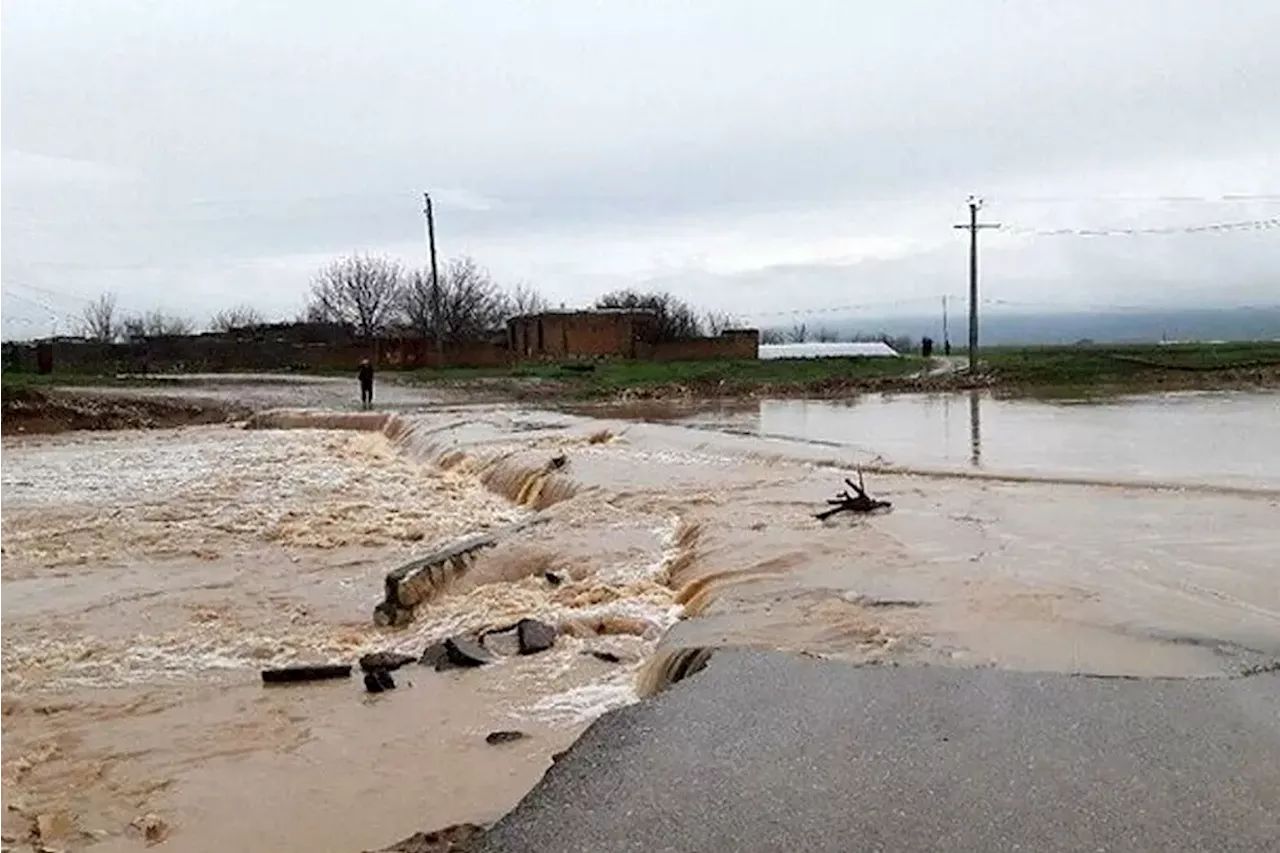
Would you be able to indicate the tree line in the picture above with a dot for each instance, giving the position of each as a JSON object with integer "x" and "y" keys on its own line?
{"x": 373, "y": 296}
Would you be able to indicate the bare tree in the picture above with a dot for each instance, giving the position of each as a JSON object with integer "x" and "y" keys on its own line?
{"x": 797, "y": 334}
{"x": 719, "y": 321}
{"x": 772, "y": 336}
{"x": 675, "y": 318}
{"x": 155, "y": 324}
{"x": 99, "y": 319}
{"x": 464, "y": 305}
{"x": 360, "y": 292}
{"x": 524, "y": 299}
{"x": 239, "y": 317}
{"x": 825, "y": 335}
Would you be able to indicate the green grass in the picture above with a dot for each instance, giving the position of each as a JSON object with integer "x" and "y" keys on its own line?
{"x": 1125, "y": 366}
{"x": 612, "y": 376}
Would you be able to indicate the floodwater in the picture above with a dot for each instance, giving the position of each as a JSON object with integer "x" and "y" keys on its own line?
{"x": 1194, "y": 438}
{"x": 147, "y": 578}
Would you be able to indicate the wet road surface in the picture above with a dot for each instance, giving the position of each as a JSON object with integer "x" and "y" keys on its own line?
{"x": 766, "y": 752}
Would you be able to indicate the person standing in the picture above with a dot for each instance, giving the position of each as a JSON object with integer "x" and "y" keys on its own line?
{"x": 366, "y": 384}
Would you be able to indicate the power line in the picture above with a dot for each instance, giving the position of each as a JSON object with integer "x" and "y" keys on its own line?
{"x": 1203, "y": 228}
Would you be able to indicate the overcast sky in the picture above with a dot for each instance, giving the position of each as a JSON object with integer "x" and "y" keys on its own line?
{"x": 751, "y": 156}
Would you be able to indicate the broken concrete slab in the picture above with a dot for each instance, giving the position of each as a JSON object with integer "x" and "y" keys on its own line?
{"x": 297, "y": 673}
{"x": 763, "y": 751}
{"x": 464, "y": 652}
{"x": 416, "y": 582}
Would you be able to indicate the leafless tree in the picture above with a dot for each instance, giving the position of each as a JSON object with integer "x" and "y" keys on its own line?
{"x": 772, "y": 336}
{"x": 155, "y": 324}
{"x": 464, "y": 304}
{"x": 524, "y": 299}
{"x": 360, "y": 292}
{"x": 238, "y": 317}
{"x": 719, "y": 321}
{"x": 99, "y": 320}
{"x": 825, "y": 335}
{"x": 676, "y": 319}
{"x": 797, "y": 334}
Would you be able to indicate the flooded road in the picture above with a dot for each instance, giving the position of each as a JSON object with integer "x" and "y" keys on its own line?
{"x": 148, "y": 576}
{"x": 1195, "y": 438}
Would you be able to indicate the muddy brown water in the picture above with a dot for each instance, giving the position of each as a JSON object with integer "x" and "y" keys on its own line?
{"x": 148, "y": 576}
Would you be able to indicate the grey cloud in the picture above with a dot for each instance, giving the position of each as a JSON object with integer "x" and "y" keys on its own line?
{"x": 236, "y": 133}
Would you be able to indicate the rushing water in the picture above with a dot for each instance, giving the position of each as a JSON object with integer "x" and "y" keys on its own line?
{"x": 1228, "y": 438}
{"x": 147, "y": 577}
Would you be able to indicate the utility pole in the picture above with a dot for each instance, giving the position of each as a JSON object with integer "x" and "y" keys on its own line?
{"x": 435, "y": 276}
{"x": 973, "y": 227}
{"x": 946, "y": 335}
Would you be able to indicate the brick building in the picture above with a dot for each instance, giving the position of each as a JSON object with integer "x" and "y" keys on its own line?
{"x": 604, "y": 332}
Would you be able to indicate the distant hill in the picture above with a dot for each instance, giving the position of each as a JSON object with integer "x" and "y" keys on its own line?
{"x": 1200, "y": 324}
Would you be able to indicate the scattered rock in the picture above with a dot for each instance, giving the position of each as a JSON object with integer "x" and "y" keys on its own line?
{"x": 557, "y": 462}
{"x": 435, "y": 656}
{"x": 152, "y": 827}
{"x": 384, "y": 660}
{"x": 468, "y": 653}
{"x": 607, "y": 657}
{"x": 379, "y": 680}
{"x": 459, "y": 838}
{"x": 553, "y": 578}
{"x": 535, "y": 636}
{"x": 495, "y": 738}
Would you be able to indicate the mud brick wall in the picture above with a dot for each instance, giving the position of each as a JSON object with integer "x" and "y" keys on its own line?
{"x": 733, "y": 344}
{"x": 557, "y": 335}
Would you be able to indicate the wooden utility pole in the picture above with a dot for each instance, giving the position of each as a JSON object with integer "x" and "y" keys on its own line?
{"x": 973, "y": 227}
{"x": 435, "y": 277}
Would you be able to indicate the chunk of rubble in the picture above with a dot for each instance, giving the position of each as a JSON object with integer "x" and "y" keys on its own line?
{"x": 501, "y": 737}
{"x": 414, "y": 583}
{"x": 535, "y": 636}
{"x": 385, "y": 661}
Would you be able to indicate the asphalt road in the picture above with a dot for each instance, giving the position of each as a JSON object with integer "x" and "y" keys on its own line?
{"x": 764, "y": 751}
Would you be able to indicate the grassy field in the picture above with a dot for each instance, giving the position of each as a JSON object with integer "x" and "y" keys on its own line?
{"x": 1132, "y": 367}
{"x": 610, "y": 377}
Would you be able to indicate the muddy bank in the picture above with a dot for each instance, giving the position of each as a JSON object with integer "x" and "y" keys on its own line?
{"x": 765, "y": 752}
{"x": 39, "y": 411}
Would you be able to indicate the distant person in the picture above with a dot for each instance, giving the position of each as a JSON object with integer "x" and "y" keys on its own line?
{"x": 946, "y": 348}
{"x": 926, "y": 347}
{"x": 366, "y": 384}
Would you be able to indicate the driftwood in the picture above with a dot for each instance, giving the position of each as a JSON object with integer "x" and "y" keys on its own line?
{"x": 857, "y": 502}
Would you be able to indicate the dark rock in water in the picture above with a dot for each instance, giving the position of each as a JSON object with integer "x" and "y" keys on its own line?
{"x": 553, "y": 578}
{"x": 495, "y": 738}
{"x": 535, "y": 636}
{"x": 384, "y": 660}
{"x": 459, "y": 838}
{"x": 463, "y": 652}
{"x": 607, "y": 657}
{"x": 502, "y": 640}
{"x": 305, "y": 672}
{"x": 436, "y": 656}
{"x": 557, "y": 462}
{"x": 378, "y": 680}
